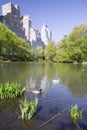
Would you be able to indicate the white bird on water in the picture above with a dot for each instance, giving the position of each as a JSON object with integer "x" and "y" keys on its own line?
{"x": 56, "y": 81}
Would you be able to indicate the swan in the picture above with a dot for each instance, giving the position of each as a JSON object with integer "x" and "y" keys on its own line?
{"x": 37, "y": 91}
{"x": 56, "y": 81}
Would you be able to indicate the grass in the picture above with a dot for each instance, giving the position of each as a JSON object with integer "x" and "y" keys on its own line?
{"x": 28, "y": 109}
{"x": 11, "y": 90}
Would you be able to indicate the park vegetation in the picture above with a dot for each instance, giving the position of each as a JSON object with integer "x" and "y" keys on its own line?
{"x": 12, "y": 47}
{"x": 28, "y": 109}
{"x": 11, "y": 90}
{"x": 72, "y": 49}
{"x": 75, "y": 113}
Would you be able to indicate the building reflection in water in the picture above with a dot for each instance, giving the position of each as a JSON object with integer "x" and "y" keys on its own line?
{"x": 34, "y": 84}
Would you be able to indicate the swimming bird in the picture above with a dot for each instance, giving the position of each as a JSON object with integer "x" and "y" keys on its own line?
{"x": 37, "y": 91}
{"x": 56, "y": 81}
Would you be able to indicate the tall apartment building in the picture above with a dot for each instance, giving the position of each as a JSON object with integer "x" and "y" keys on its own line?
{"x": 46, "y": 34}
{"x": 26, "y": 21}
{"x": 22, "y": 26}
{"x": 35, "y": 38}
{"x": 11, "y": 14}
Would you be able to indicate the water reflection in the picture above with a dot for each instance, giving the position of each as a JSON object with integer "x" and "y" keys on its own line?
{"x": 54, "y": 99}
{"x": 74, "y": 78}
{"x": 40, "y": 75}
{"x": 33, "y": 84}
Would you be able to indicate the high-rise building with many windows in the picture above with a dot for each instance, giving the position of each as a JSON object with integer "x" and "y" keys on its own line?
{"x": 11, "y": 14}
{"x": 35, "y": 38}
{"x": 21, "y": 25}
{"x": 46, "y": 34}
{"x": 26, "y": 25}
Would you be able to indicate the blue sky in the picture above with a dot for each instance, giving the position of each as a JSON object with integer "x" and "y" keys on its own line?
{"x": 60, "y": 15}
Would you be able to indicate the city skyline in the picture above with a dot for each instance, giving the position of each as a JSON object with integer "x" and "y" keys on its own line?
{"x": 60, "y": 15}
{"x": 22, "y": 26}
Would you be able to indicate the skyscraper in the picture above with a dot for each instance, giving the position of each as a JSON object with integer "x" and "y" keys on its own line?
{"x": 26, "y": 25}
{"x": 11, "y": 14}
{"x": 46, "y": 34}
{"x": 35, "y": 38}
{"x": 21, "y": 25}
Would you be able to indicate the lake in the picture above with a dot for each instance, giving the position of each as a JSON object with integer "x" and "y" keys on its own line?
{"x": 55, "y": 100}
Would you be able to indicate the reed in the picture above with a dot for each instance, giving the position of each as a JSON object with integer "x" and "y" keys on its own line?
{"x": 11, "y": 90}
{"x": 75, "y": 113}
{"x": 28, "y": 109}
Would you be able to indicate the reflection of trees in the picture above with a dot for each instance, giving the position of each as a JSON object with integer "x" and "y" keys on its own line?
{"x": 36, "y": 75}
{"x": 14, "y": 72}
{"x": 78, "y": 89}
{"x": 75, "y": 78}
{"x": 51, "y": 70}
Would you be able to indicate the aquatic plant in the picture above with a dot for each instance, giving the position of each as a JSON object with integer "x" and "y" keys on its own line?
{"x": 28, "y": 109}
{"x": 11, "y": 90}
{"x": 75, "y": 113}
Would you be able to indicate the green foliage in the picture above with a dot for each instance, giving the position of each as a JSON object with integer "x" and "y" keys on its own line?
{"x": 74, "y": 47}
{"x": 71, "y": 49}
{"x": 78, "y": 32}
{"x": 75, "y": 113}
{"x": 37, "y": 54}
{"x": 11, "y": 90}
{"x": 64, "y": 51}
{"x": 39, "y": 50}
{"x": 50, "y": 52}
{"x": 13, "y": 47}
{"x": 28, "y": 109}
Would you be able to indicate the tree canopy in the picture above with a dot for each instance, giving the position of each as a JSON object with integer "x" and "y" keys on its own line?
{"x": 74, "y": 47}
{"x": 12, "y": 47}
{"x": 50, "y": 51}
{"x": 69, "y": 50}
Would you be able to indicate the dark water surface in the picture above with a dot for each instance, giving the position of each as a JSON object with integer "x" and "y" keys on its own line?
{"x": 55, "y": 99}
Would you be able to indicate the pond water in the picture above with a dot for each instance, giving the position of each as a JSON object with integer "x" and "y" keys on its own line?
{"x": 55, "y": 99}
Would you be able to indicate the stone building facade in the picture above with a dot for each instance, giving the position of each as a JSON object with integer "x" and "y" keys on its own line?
{"x": 22, "y": 26}
{"x": 11, "y": 14}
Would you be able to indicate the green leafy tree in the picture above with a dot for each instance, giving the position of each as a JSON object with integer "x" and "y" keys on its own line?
{"x": 40, "y": 53}
{"x": 50, "y": 51}
{"x": 64, "y": 51}
{"x": 78, "y": 32}
{"x": 74, "y": 48}
{"x": 11, "y": 46}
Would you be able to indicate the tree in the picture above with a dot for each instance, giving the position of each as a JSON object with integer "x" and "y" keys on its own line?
{"x": 65, "y": 51}
{"x": 11, "y": 46}
{"x": 78, "y": 32}
{"x": 50, "y": 51}
{"x": 74, "y": 48}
